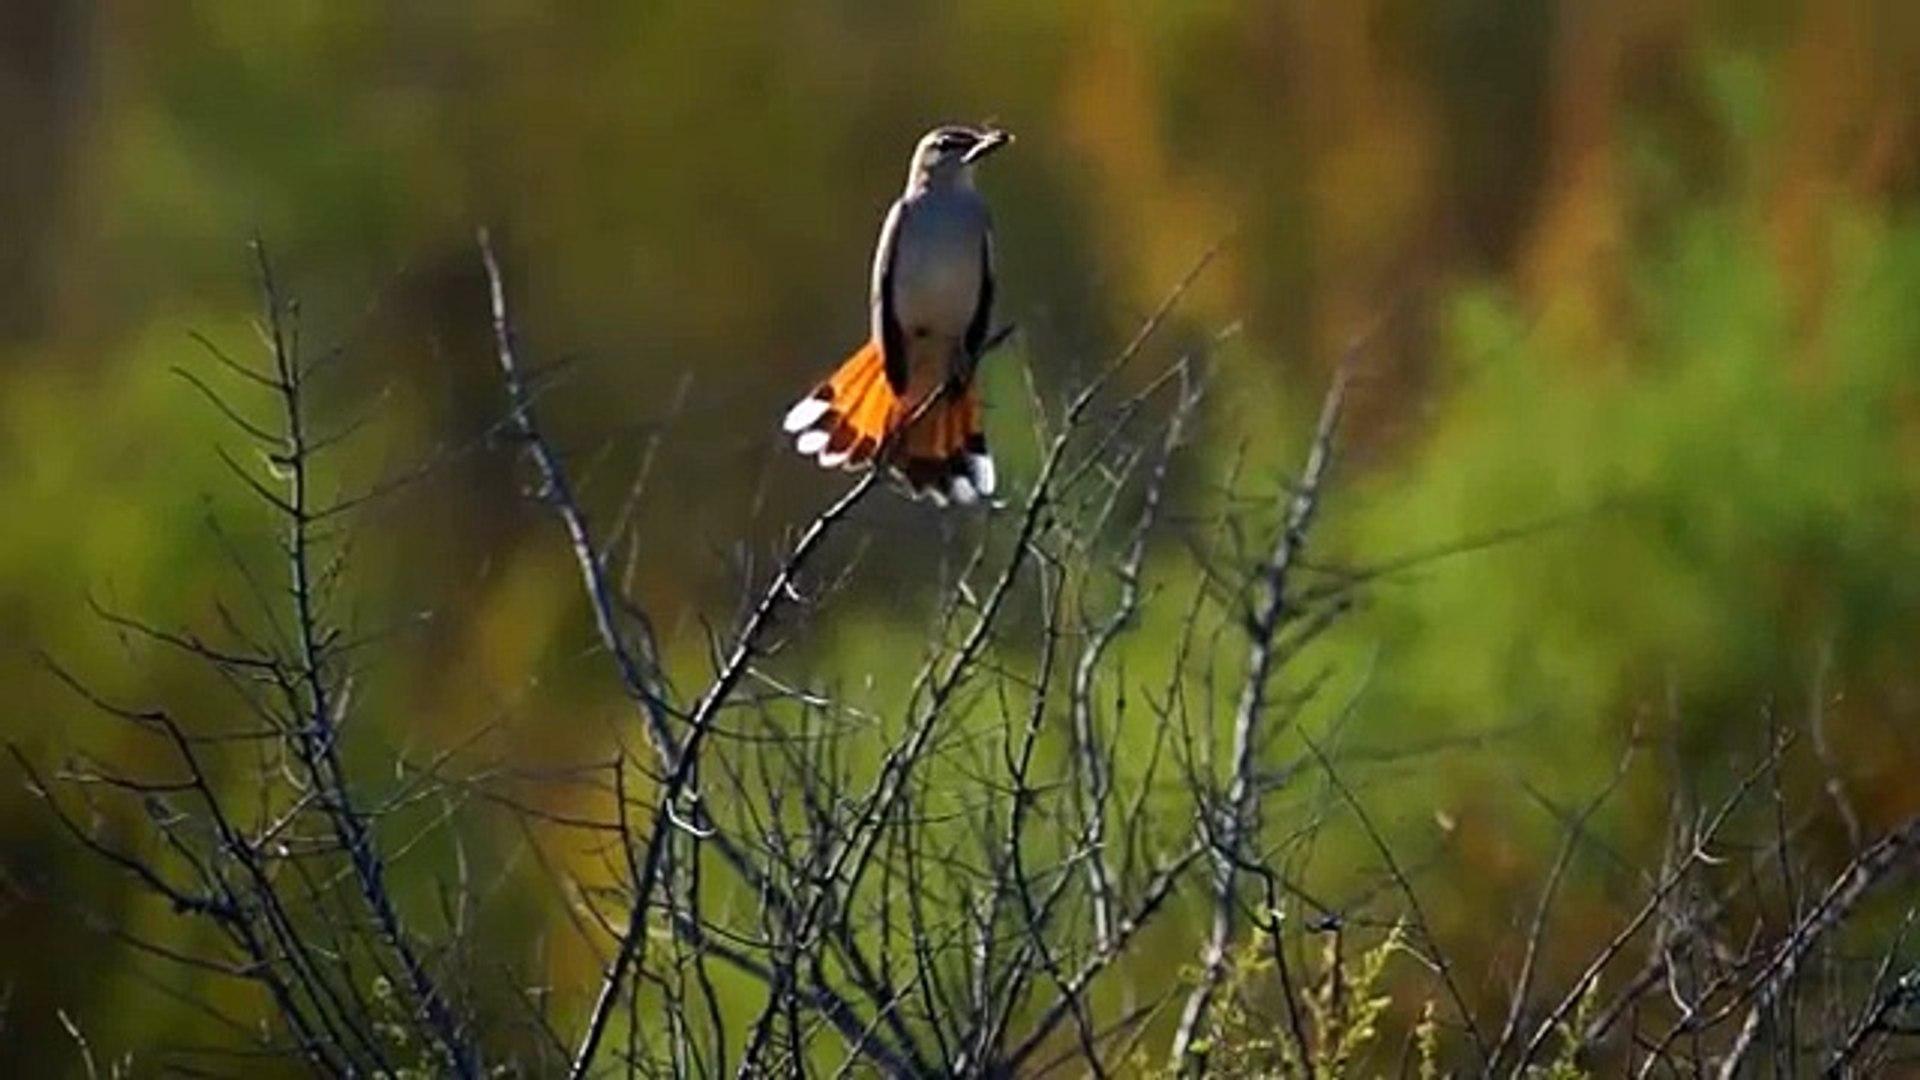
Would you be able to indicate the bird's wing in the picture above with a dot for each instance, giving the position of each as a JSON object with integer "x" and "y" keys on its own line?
{"x": 886, "y": 325}
{"x": 982, "y": 323}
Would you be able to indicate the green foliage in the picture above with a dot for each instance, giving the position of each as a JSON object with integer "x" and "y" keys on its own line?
{"x": 1341, "y": 1012}
{"x": 1345, "y": 998}
{"x": 1566, "y": 1064}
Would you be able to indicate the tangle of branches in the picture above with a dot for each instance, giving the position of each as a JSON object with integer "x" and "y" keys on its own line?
{"x": 981, "y": 875}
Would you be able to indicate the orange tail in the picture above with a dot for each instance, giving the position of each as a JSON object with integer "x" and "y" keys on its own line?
{"x": 846, "y": 419}
{"x": 849, "y": 419}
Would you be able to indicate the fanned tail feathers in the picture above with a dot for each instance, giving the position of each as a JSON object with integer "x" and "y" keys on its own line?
{"x": 855, "y": 416}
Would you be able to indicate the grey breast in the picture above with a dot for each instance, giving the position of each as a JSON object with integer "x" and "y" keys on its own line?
{"x": 936, "y": 270}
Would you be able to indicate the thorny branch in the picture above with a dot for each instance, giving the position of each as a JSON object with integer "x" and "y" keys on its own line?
{"x": 1234, "y": 820}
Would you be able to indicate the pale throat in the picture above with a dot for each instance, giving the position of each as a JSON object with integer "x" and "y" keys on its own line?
{"x": 956, "y": 178}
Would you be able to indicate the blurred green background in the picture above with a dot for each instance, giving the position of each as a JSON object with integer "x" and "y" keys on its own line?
{"x": 1652, "y": 271}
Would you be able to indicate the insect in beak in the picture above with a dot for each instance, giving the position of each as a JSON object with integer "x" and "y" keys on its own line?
{"x": 993, "y": 140}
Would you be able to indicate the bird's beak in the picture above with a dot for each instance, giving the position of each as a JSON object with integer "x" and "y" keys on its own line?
{"x": 993, "y": 140}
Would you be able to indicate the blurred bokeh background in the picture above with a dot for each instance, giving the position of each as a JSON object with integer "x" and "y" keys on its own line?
{"x": 1648, "y": 272}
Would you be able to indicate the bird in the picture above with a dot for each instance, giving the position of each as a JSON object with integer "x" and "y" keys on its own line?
{"x": 906, "y": 399}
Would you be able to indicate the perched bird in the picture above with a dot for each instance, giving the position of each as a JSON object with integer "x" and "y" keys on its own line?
{"x": 932, "y": 301}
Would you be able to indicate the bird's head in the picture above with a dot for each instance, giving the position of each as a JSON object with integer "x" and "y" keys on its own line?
{"x": 947, "y": 154}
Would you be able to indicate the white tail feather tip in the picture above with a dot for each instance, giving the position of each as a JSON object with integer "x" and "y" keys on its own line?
{"x": 811, "y": 442}
{"x": 981, "y": 466}
{"x": 803, "y": 414}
